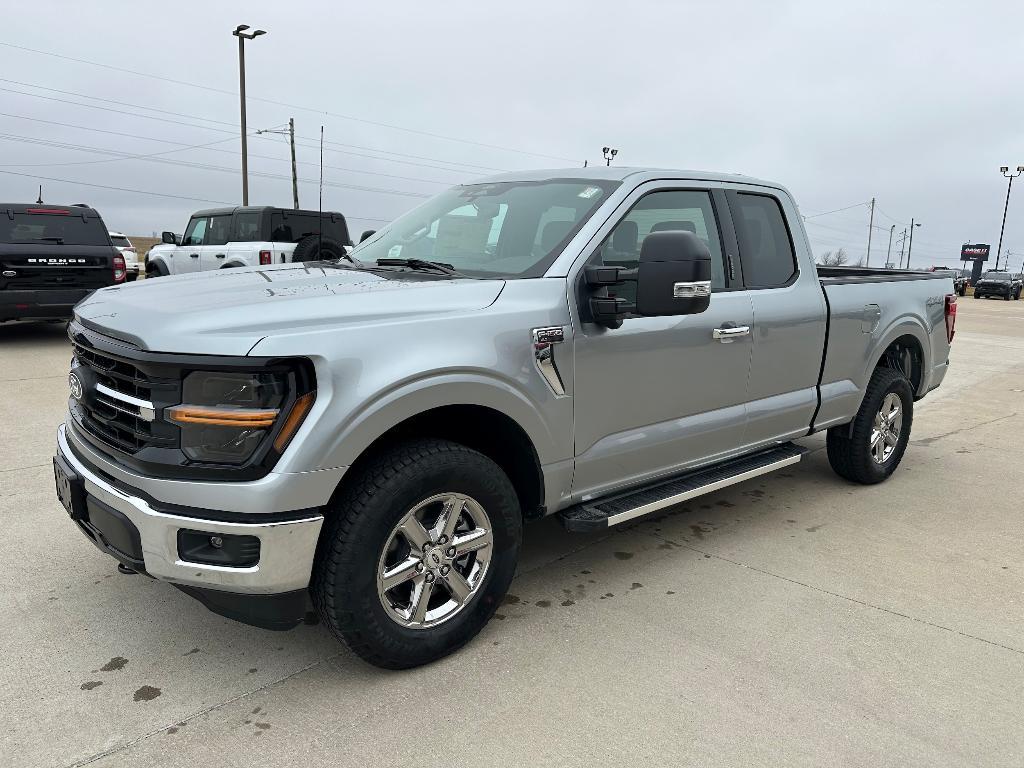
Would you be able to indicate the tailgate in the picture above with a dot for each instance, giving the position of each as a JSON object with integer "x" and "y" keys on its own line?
{"x": 31, "y": 268}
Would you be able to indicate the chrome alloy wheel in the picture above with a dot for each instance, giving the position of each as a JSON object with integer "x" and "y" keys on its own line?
{"x": 435, "y": 560}
{"x": 885, "y": 432}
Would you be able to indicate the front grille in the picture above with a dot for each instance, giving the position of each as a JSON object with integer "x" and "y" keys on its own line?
{"x": 117, "y": 422}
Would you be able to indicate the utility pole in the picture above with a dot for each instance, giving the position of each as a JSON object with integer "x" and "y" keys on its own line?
{"x": 911, "y": 246}
{"x": 888, "y": 254}
{"x": 40, "y": 200}
{"x": 242, "y": 35}
{"x": 871, "y": 226}
{"x": 290, "y": 132}
{"x": 1011, "y": 176}
{"x": 903, "y": 241}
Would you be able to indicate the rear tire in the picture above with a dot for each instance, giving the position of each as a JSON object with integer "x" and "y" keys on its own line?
{"x": 397, "y": 498}
{"x": 869, "y": 450}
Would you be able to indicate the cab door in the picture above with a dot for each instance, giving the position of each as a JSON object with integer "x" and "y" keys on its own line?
{"x": 661, "y": 394}
{"x": 188, "y": 255}
{"x": 788, "y": 333}
{"x": 214, "y": 251}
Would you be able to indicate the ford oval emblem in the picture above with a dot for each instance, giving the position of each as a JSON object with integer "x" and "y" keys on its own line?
{"x": 75, "y": 385}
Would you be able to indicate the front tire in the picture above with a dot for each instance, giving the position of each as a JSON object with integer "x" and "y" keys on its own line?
{"x": 870, "y": 449}
{"x": 419, "y": 551}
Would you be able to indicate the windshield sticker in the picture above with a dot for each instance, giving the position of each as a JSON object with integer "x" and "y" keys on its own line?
{"x": 589, "y": 192}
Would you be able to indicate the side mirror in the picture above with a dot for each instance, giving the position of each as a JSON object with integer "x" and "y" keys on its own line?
{"x": 169, "y": 238}
{"x": 674, "y": 275}
{"x": 367, "y": 234}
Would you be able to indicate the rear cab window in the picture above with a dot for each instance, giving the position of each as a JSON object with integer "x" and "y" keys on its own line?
{"x": 121, "y": 241}
{"x": 766, "y": 246}
{"x": 286, "y": 227}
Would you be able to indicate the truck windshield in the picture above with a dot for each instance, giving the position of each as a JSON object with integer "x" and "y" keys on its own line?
{"x": 1003, "y": 277}
{"x": 499, "y": 230}
{"x": 57, "y": 227}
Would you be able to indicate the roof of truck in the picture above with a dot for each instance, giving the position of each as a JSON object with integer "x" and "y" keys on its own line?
{"x": 262, "y": 208}
{"x": 618, "y": 173}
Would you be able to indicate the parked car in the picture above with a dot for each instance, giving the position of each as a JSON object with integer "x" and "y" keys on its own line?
{"x": 239, "y": 237}
{"x": 1001, "y": 284}
{"x": 372, "y": 433}
{"x": 51, "y": 257}
{"x": 128, "y": 251}
{"x": 959, "y": 280}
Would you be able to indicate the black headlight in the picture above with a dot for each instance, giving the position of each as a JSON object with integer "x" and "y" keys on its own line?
{"x": 225, "y": 417}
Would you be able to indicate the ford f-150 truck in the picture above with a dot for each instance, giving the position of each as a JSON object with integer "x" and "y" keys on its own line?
{"x": 368, "y": 435}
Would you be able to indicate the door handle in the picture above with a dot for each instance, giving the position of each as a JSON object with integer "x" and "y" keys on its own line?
{"x": 729, "y": 334}
{"x": 194, "y": 255}
{"x": 219, "y": 255}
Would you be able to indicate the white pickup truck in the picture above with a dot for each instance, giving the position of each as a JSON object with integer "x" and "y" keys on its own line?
{"x": 248, "y": 237}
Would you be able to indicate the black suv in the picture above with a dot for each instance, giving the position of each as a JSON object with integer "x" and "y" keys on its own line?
{"x": 1000, "y": 284}
{"x": 52, "y": 257}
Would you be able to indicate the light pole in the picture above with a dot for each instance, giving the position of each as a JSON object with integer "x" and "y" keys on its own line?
{"x": 1005, "y": 170}
{"x": 609, "y": 154}
{"x": 910, "y": 247}
{"x": 888, "y": 254}
{"x": 242, "y": 35}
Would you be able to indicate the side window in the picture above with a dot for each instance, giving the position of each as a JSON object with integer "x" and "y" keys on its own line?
{"x": 686, "y": 210}
{"x": 766, "y": 250}
{"x": 247, "y": 228}
{"x": 278, "y": 232}
{"x": 195, "y": 232}
{"x": 218, "y": 231}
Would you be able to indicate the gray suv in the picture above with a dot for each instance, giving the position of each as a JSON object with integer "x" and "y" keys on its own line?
{"x": 367, "y": 436}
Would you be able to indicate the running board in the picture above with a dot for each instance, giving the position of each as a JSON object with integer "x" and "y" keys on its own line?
{"x": 602, "y": 513}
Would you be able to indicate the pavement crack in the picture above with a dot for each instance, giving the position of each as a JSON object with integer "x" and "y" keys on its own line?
{"x": 930, "y": 440}
{"x": 855, "y": 600}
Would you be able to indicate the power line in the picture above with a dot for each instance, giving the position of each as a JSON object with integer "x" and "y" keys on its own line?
{"x": 183, "y": 146}
{"x": 118, "y": 189}
{"x": 108, "y": 160}
{"x": 837, "y": 210}
{"x": 233, "y": 132}
{"x": 897, "y": 221}
{"x": 285, "y": 104}
{"x": 202, "y": 166}
{"x": 155, "y": 194}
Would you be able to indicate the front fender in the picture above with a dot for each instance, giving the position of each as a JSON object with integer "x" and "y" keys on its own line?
{"x": 391, "y": 407}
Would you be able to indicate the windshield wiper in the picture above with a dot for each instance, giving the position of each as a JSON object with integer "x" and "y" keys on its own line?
{"x": 58, "y": 240}
{"x": 421, "y": 264}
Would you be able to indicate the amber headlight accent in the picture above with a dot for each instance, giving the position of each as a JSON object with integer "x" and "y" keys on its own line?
{"x": 224, "y": 417}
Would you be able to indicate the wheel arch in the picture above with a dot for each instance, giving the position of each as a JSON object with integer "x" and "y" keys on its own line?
{"x": 904, "y": 347}
{"x": 482, "y": 428}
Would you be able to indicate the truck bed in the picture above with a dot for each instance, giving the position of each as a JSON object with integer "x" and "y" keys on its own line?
{"x": 869, "y": 310}
{"x": 841, "y": 275}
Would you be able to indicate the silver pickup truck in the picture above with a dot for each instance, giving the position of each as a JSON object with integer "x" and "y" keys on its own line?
{"x": 369, "y": 435}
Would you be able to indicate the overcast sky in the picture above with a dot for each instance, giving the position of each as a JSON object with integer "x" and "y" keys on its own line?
{"x": 915, "y": 104}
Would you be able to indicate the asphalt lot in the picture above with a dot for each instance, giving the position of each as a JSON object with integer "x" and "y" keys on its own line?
{"x": 792, "y": 620}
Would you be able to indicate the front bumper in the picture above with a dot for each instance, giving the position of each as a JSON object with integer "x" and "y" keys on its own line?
{"x": 287, "y": 541}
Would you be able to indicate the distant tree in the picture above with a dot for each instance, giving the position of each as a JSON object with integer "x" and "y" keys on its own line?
{"x": 835, "y": 258}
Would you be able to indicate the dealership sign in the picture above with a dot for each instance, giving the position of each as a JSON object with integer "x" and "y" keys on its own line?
{"x": 978, "y": 251}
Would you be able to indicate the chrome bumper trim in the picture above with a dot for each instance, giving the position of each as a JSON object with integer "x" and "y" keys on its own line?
{"x": 286, "y": 548}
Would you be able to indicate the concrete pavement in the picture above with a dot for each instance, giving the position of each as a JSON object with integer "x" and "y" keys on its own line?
{"x": 792, "y": 620}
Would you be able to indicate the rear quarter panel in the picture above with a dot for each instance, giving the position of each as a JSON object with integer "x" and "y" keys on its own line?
{"x": 864, "y": 319}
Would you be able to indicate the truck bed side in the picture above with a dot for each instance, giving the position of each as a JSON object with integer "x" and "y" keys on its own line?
{"x": 872, "y": 312}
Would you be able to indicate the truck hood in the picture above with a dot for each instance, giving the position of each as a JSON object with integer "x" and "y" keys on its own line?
{"x": 228, "y": 311}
